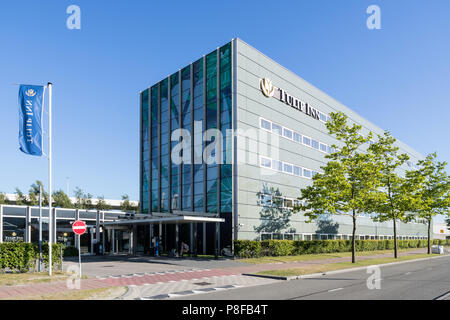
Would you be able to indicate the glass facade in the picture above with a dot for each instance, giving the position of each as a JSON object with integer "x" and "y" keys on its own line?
{"x": 196, "y": 98}
{"x": 144, "y": 152}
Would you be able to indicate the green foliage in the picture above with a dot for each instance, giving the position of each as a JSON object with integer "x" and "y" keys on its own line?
{"x": 126, "y": 205}
{"x": 21, "y": 199}
{"x": 276, "y": 217}
{"x": 252, "y": 249}
{"x": 3, "y": 198}
{"x": 23, "y": 257}
{"x": 70, "y": 251}
{"x": 247, "y": 248}
{"x": 33, "y": 194}
{"x": 278, "y": 247}
{"x": 102, "y": 205}
{"x": 350, "y": 177}
{"x": 432, "y": 187}
{"x": 61, "y": 200}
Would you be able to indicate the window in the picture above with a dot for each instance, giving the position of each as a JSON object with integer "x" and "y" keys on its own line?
{"x": 288, "y": 203}
{"x": 315, "y": 144}
{"x": 328, "y": 118}
{"x": 329, "y": 150}
{"x": 266, "y": 163}
{"x": 277, "y": 165}
{"x": 288, "y": 236}
{"x": 287, "y": 168}
{"x": 307, "y": 237}
{"x": 276, "y": 129}
{"x": 297, "y": 137}
{"x": 306, "y": 141}
{"x": 323, "y": 117}
{"x": 307, "y": 173}
{"x": 265, "y": 124}
{"x": 265, "y": 200}
{"x": 314, "y": 173}
{"x": 323, "y": 147}
{"x": 278, "y": 202}
{"x": 297, "y": 171}
{"x": 266, "y": 236}
{"x": 277, "y": 236}
{"x": 287, "y": 133}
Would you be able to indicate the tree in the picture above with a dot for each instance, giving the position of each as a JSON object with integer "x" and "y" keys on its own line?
{"x": 61, "y": 200}
{"x": 126, "y": 205}
{"x": 349, "y": 181}
{"x": 102, "y": 205}
{"x": 433, "y": 184}
{"x": 33, "y": 194}
{"x": 21, "y": 199}
{"x": 3, "y": 198}
{"x": 79, "y": 195}
{"x": 396, "y": 196}
{"x": 275, "y": 216}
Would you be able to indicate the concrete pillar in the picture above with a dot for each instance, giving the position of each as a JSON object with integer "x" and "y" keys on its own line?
{"x": 103, "y": 239}
{"x": 1, "y": 223}
{"x": 151, "y": 235}
{"x": 177, "y": 237}
{"x": 131, "y": 242}
{"x": 97, "y": 226}
{"x": 91, "y": 231}
{"x": 113, "y": 241}
{"x": 191, "y": 237}
{"x": 194, "y": 248}
{"x": 28, "y": 225}
{"x": 204, "y": 238}
{"x": 217, "y": 240}
{"x": 54, "y": 224}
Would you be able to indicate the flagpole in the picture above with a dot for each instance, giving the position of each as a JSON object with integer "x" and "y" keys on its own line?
{"x": 50, "y": 222}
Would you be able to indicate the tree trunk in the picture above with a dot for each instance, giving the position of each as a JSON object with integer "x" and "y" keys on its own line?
{"x": 353, "y": 238}
{"x": 429, "y": 234}
{"x": 395, "y": 238}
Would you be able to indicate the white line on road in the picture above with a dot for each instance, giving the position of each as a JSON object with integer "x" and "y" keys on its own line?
{"x": 337, "y": 289}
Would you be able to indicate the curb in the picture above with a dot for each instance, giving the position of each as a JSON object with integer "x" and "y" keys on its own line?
{"x": 314, "y": 275}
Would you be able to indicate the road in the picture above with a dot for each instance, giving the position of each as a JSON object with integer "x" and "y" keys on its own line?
{"x": 424, "y": 280}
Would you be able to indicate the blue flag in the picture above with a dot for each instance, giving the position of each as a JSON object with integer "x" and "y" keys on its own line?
{"x": 30, "y": 119}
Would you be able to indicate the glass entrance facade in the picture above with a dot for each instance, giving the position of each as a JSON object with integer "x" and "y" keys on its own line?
{"x": 195, "y": 99}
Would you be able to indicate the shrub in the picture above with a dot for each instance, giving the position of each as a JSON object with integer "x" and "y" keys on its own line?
{"x": 248, "y": 248}
{"x": 70, "y": 251}
{"x": 23, "y": 257}
{"x": 278, "y": 247}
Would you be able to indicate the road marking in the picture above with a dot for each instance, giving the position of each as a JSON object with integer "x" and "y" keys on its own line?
{"x": 408, "y": 273}
{"x": 337, "y": 289}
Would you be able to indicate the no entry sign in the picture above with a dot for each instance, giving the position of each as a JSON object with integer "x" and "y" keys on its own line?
{"x": 79, "y": 227}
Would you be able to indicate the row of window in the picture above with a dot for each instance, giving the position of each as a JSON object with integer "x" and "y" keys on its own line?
{"x": 268, "y": 200}
{"x": 286, "y": 167}
{"x": 323, "y": 236}
{"x": 295, "y": 136}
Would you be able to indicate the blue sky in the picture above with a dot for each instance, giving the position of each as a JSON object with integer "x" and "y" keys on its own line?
{"x": 397, "y": 77}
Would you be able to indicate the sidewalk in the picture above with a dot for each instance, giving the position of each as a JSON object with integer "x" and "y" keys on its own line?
{"x": 140, "y": 279}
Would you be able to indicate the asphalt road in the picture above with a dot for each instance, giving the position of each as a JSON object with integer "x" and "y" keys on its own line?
{"x": 424, "y": 280}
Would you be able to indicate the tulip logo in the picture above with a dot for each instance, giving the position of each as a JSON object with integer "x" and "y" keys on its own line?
{"x": 267, "y": 87}
{"x": 30, "y": 93}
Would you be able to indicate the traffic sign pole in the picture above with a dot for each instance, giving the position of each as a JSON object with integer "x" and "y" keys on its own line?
{"x": 79, "y": 253}
{"x": 79, "y": 228}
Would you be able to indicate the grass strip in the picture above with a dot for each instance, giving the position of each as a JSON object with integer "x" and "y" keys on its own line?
{"x": 339, "y": 266}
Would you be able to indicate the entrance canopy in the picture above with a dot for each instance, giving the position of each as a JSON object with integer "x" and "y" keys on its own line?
{"x": 166, "y": 219}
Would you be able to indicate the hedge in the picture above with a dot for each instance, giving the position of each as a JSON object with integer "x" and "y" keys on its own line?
{"x": 24, "y": 257}
{"x": 251, "y": 249}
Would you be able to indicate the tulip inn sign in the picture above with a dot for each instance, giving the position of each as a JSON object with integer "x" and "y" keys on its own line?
{"x": 269, "y": 90}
